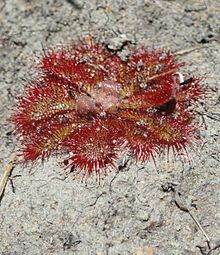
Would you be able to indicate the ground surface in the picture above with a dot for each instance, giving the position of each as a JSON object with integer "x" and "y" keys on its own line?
{"x": 132, "y": 211}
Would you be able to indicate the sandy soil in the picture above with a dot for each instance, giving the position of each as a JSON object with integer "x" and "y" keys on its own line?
{"x": 134, "y": 211}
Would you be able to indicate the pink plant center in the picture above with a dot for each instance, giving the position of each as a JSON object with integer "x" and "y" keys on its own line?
{"x": 105, "y": 98}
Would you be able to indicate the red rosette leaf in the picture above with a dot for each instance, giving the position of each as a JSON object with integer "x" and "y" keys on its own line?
{"x": 93, "y": 147}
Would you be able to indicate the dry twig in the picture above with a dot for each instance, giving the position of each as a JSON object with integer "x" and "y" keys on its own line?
{"x": 189, "y": 50}
{"x": 7, "y": 173}
{"x": 182, "y": 206}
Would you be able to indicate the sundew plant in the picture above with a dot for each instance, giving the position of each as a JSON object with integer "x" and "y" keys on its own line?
{"x": 89, "y": 105}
